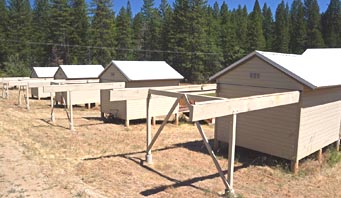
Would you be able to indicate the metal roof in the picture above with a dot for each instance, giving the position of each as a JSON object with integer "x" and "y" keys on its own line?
{"x": 45, "y": 72}
{"x": 81, "y": 71}
{"x": 147, "y": 70}
{"x": 314, "y": 68}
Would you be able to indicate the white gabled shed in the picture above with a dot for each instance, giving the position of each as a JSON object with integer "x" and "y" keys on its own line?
{"x": 292, "y": 131}
{"x": 89, "y": 73}
{"x": 137, "y": 74}
{"x": 46, "y": 73}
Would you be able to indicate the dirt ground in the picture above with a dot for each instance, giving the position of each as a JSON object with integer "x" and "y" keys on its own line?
{"x": 43, "y": 159}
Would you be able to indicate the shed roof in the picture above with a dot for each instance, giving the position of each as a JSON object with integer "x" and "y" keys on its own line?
{"x": 146, "y": 70}
{"x": 45, "y": 72}
{"x": 315, "y": 68}
{"x": 81, "y": 71}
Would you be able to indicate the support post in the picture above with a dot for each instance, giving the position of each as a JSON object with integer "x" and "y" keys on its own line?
{"x": 27, "y": 99}
{"x": 149, "y": 158}
{"x": 127, "y": 122}
{"x": 232, "y": 146}
{"x": 319, "y": 155}
{"x": 337, "y": 145}
{"x": 177, "y": 119}
{"x": 52, "y": 107}
{"x": 176, "y": 103}
{"x": 19, "y": 97}
{"x": 71, "y": 111}
{"x": 153, "y": 120}
{"x": 67, "y": 101}
{"x": 294, "y": 166}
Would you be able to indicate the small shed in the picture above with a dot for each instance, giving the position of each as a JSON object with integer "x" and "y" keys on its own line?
{"x": 293, "y": 131}
{"x": 42, "y": 73}
{"x": 79, "y": 72}
{"x": 137, "y": 74}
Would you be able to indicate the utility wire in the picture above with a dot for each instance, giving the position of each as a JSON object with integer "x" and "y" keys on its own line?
{"x": 112, "y": 48}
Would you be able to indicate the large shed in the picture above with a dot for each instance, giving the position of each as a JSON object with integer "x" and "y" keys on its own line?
{"x": 90, "y": 73}
{"x": 137, "y": 74}
{"x": 293, "y": 131}
{"x": 42, "y": 73}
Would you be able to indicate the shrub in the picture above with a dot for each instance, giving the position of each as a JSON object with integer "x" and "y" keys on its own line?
{"x": 333, "y": 157}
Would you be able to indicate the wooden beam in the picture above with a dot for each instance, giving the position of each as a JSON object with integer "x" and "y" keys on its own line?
{"x": 82, "y": 87}
{"x": 165, "y": 93}
{"x": 213, "y": 156}
{"x": 149, "y": 158}
{"x": 219, "y": 108}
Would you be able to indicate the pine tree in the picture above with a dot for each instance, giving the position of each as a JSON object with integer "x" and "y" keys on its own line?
{"x": 213, "y": 61}
{"x": 313, "y": 18}
{"x": 240, "y": 20}
{"x": 124, "y": 36}
{"x": 268, "y": 26}
{"x": 166, "y": 13}
{"x": 79, "y": 32}
{"x": 228, "y": 37}
{"x": 298, "y": 31}
{"x": 331, "y": 24}
{"x": 102, "y": 32}
{"x": 3, "y": 32}
{"x": 281, "y": 41}
{"x": 138, "y": 36}
{"x": 40, "y": 26}
{"x": 19, "y": 29}
{"x": 59, "y": 32}
{"x": 151, "y": 30}
{"x": 255, "y": 35}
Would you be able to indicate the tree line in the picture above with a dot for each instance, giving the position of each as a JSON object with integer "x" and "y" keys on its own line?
{"x": 197, "y": 39}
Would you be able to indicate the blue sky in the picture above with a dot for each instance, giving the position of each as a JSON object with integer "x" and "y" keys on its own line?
{"x": 136, "y": 4}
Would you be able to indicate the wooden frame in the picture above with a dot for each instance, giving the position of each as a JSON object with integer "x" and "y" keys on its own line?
{"x": 216, "y": 107}
{"x": 71, "y": 90}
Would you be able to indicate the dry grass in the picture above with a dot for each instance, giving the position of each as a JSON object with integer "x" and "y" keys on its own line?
{"x": 106, "y": 160}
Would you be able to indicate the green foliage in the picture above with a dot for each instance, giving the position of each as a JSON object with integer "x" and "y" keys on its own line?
{"x": 333, "y": 157}
{"x": 313, "y": 18}
{"x": 15, "y": 66}
{"x": 281, "y": 32}
{"x": 298, "y": 30}
{"x": 195, "y": 38}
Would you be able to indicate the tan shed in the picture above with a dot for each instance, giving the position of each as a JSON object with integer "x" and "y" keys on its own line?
{"x": 79, "y": 73}
{"x": 137, "y": 74}
{"x": 293, "y": 131}
{"x": 46, "y": 73}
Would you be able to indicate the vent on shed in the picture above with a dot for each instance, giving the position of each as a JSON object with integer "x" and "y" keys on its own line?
{"x": 254, "y": 75}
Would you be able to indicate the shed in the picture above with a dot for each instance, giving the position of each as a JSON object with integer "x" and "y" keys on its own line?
{"x": 137, "y": 74}
{"x": 293, "y": 131}
{"x": 42, "y": 73}
{"x": 79, "y": 72}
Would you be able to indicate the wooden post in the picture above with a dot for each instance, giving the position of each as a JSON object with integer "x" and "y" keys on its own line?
{"x": 177, "y": 119}
{"x": 102, "y": 115}
{"x": 337, "y": 145}
{"x": 294, "y": 166}
{"x": 27, "y": 98}
{"x": 232, "y": 145}
{"x": 19, "y": 97}
{"x": 52, "y": 107}
{"x": 153, "y": 120}
{"x": 89, "y": 105}
{"x": 127, "y": 122}
{"x": 149, "y": 157}
{"x": 67, "y": 101}
{"x": 71, "y": 111}
{"x": 319, "y": 155}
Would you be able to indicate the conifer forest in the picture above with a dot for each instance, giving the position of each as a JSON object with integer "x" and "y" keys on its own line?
{"x": 195, "y": 38}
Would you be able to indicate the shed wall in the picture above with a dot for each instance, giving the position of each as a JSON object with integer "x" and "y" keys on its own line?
{"x": 320, "y": 120}
{"x": 60, "y": 74}
{"x": 112, "y": 74}
{"x": 272, "y": 131}
{"x": 34, "y": 74}
{"x": 116, "y": 108}
{"x": 152, "y": 83}
{"x": 268, "y": 76}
